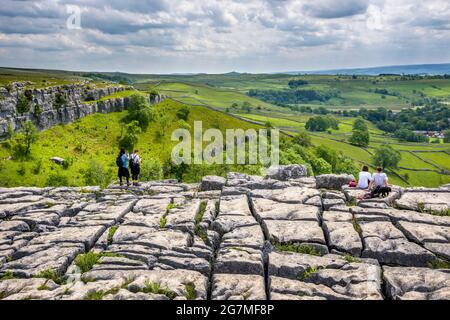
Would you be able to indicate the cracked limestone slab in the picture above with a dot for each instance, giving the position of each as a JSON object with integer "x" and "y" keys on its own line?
{"x": 332, "y": 275}
{"x": 424, "y": 233}
{"x": 164, "y": 239}
{"x": 284, "y": 231}
{"x": 417, "y": 283}
{"x": 273, "y": 210}
{"x": 239, "y": 260}
{"x": 248, "y": 236}
{"x": 425, "y": 199}
{"x": 238, "y": 287}
{"x": 287, "y": 195}
{"x": 173, "y": 280}
{"x": 234, "y": 205}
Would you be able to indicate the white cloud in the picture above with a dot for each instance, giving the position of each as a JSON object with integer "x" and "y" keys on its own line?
{"x": 223, "y": 35}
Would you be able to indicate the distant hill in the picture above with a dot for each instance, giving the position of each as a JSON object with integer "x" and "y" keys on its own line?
{"x": 425, "y": 69}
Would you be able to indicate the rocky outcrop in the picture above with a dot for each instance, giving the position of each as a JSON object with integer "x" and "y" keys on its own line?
{"x": 59, "y": 104}
{"x": 284, "y": 173}
{"x": 242, "y": 238}
{"x": 333, "y": 181}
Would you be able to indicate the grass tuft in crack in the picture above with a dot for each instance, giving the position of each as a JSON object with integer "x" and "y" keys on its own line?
{"x": 155, "y": 288}
{"x": 191, "y": 293}
{"x": 111, "y": 233}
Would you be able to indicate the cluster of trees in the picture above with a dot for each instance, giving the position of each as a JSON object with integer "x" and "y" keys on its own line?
{"x": 409, "y": 135}
{"x": 297, "y": 83}
{"x": 432, "y": 117}
{"x": 318, "y": 160}
{"x": 293, "y": 96}
{"x": 360, "y": 133}
{"x": 322, "y": 123}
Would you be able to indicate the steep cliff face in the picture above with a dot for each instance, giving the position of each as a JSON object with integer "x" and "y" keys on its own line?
{"x": 57, "y": 105}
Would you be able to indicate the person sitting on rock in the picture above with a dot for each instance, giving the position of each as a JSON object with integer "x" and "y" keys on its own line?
{"x": 135, "y": 166}
{"x": 379, "y": 185}
{"x": 122, "y": 162}
{"x": 364, "y": 179}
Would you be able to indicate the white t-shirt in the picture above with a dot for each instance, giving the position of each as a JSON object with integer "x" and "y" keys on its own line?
{"x": 379, "y": 179}
{"x": 135, "y": 158}
{"x": 364, "y": 179}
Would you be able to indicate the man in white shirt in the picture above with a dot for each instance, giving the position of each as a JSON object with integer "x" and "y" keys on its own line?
{"x": 364, "y": 178}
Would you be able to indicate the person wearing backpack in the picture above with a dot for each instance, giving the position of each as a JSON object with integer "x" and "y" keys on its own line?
{"x": 135, "y": 166}
{"x": 122, "y": 162}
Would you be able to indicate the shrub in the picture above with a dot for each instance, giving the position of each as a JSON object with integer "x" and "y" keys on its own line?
{"x": 303, "y": 139}
{"x": 57, "y": 180}
{"x": 60, "y": 100}
{"x": 22, "y": 170}
{"x": 23, "y": 104}
{"x": 151, "y": 169}
{"x": 183, "y": 113}
{"x": 96, "y": 175}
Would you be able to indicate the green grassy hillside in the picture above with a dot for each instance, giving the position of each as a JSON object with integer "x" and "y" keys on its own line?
{"x": 96, "y": 137}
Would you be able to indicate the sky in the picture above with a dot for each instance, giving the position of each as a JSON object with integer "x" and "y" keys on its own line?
{"x": 218, "y": 36}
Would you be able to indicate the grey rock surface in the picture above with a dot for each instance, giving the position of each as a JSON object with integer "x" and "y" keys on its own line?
{"x": 252, "y": 238}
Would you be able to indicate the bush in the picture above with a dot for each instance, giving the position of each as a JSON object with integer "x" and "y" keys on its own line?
{"x": 183, "y": 113}
{"x": 37, "y": 167}
{"x": 56, "y": 180}
{"x": 60, "y": 100}
{"x": 303, "y": 139}
{"x": 151, "y": 169}
{"x": 96, "y": 175}
{"x": 23, "y": 104}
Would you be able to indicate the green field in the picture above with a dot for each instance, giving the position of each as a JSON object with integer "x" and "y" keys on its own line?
{"x": 338, "y": 140}
{"x": 196, "y": 94}
{"x": 353, "y": 93}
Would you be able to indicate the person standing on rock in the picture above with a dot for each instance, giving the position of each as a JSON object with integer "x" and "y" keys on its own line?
{"x": 122, "y": 162}
{"x": 135, "y": 166}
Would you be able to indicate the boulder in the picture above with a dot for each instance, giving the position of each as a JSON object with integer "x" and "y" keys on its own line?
{"x": 212, "y": 183}
{"x": 284, "y": 173}
{"x": 57, "y": 160}
{"x": 333, "y": 181}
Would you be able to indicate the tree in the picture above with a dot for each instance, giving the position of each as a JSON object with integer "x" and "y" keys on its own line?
{"x": 321, "y": 123}
{"x": 386, "y": 157}
{"x": 447, "y": 136}
{"x": 23, "y": 104}
{"x": 139, "y": 110}
{"x": 360, "y": 136}
{"x": 163, "y": 122}
{"x": 24, "y": 139}
{"x": 360, "y": 124}
{"x": 303, "y": 139}
{"x": 131, "y": 137}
